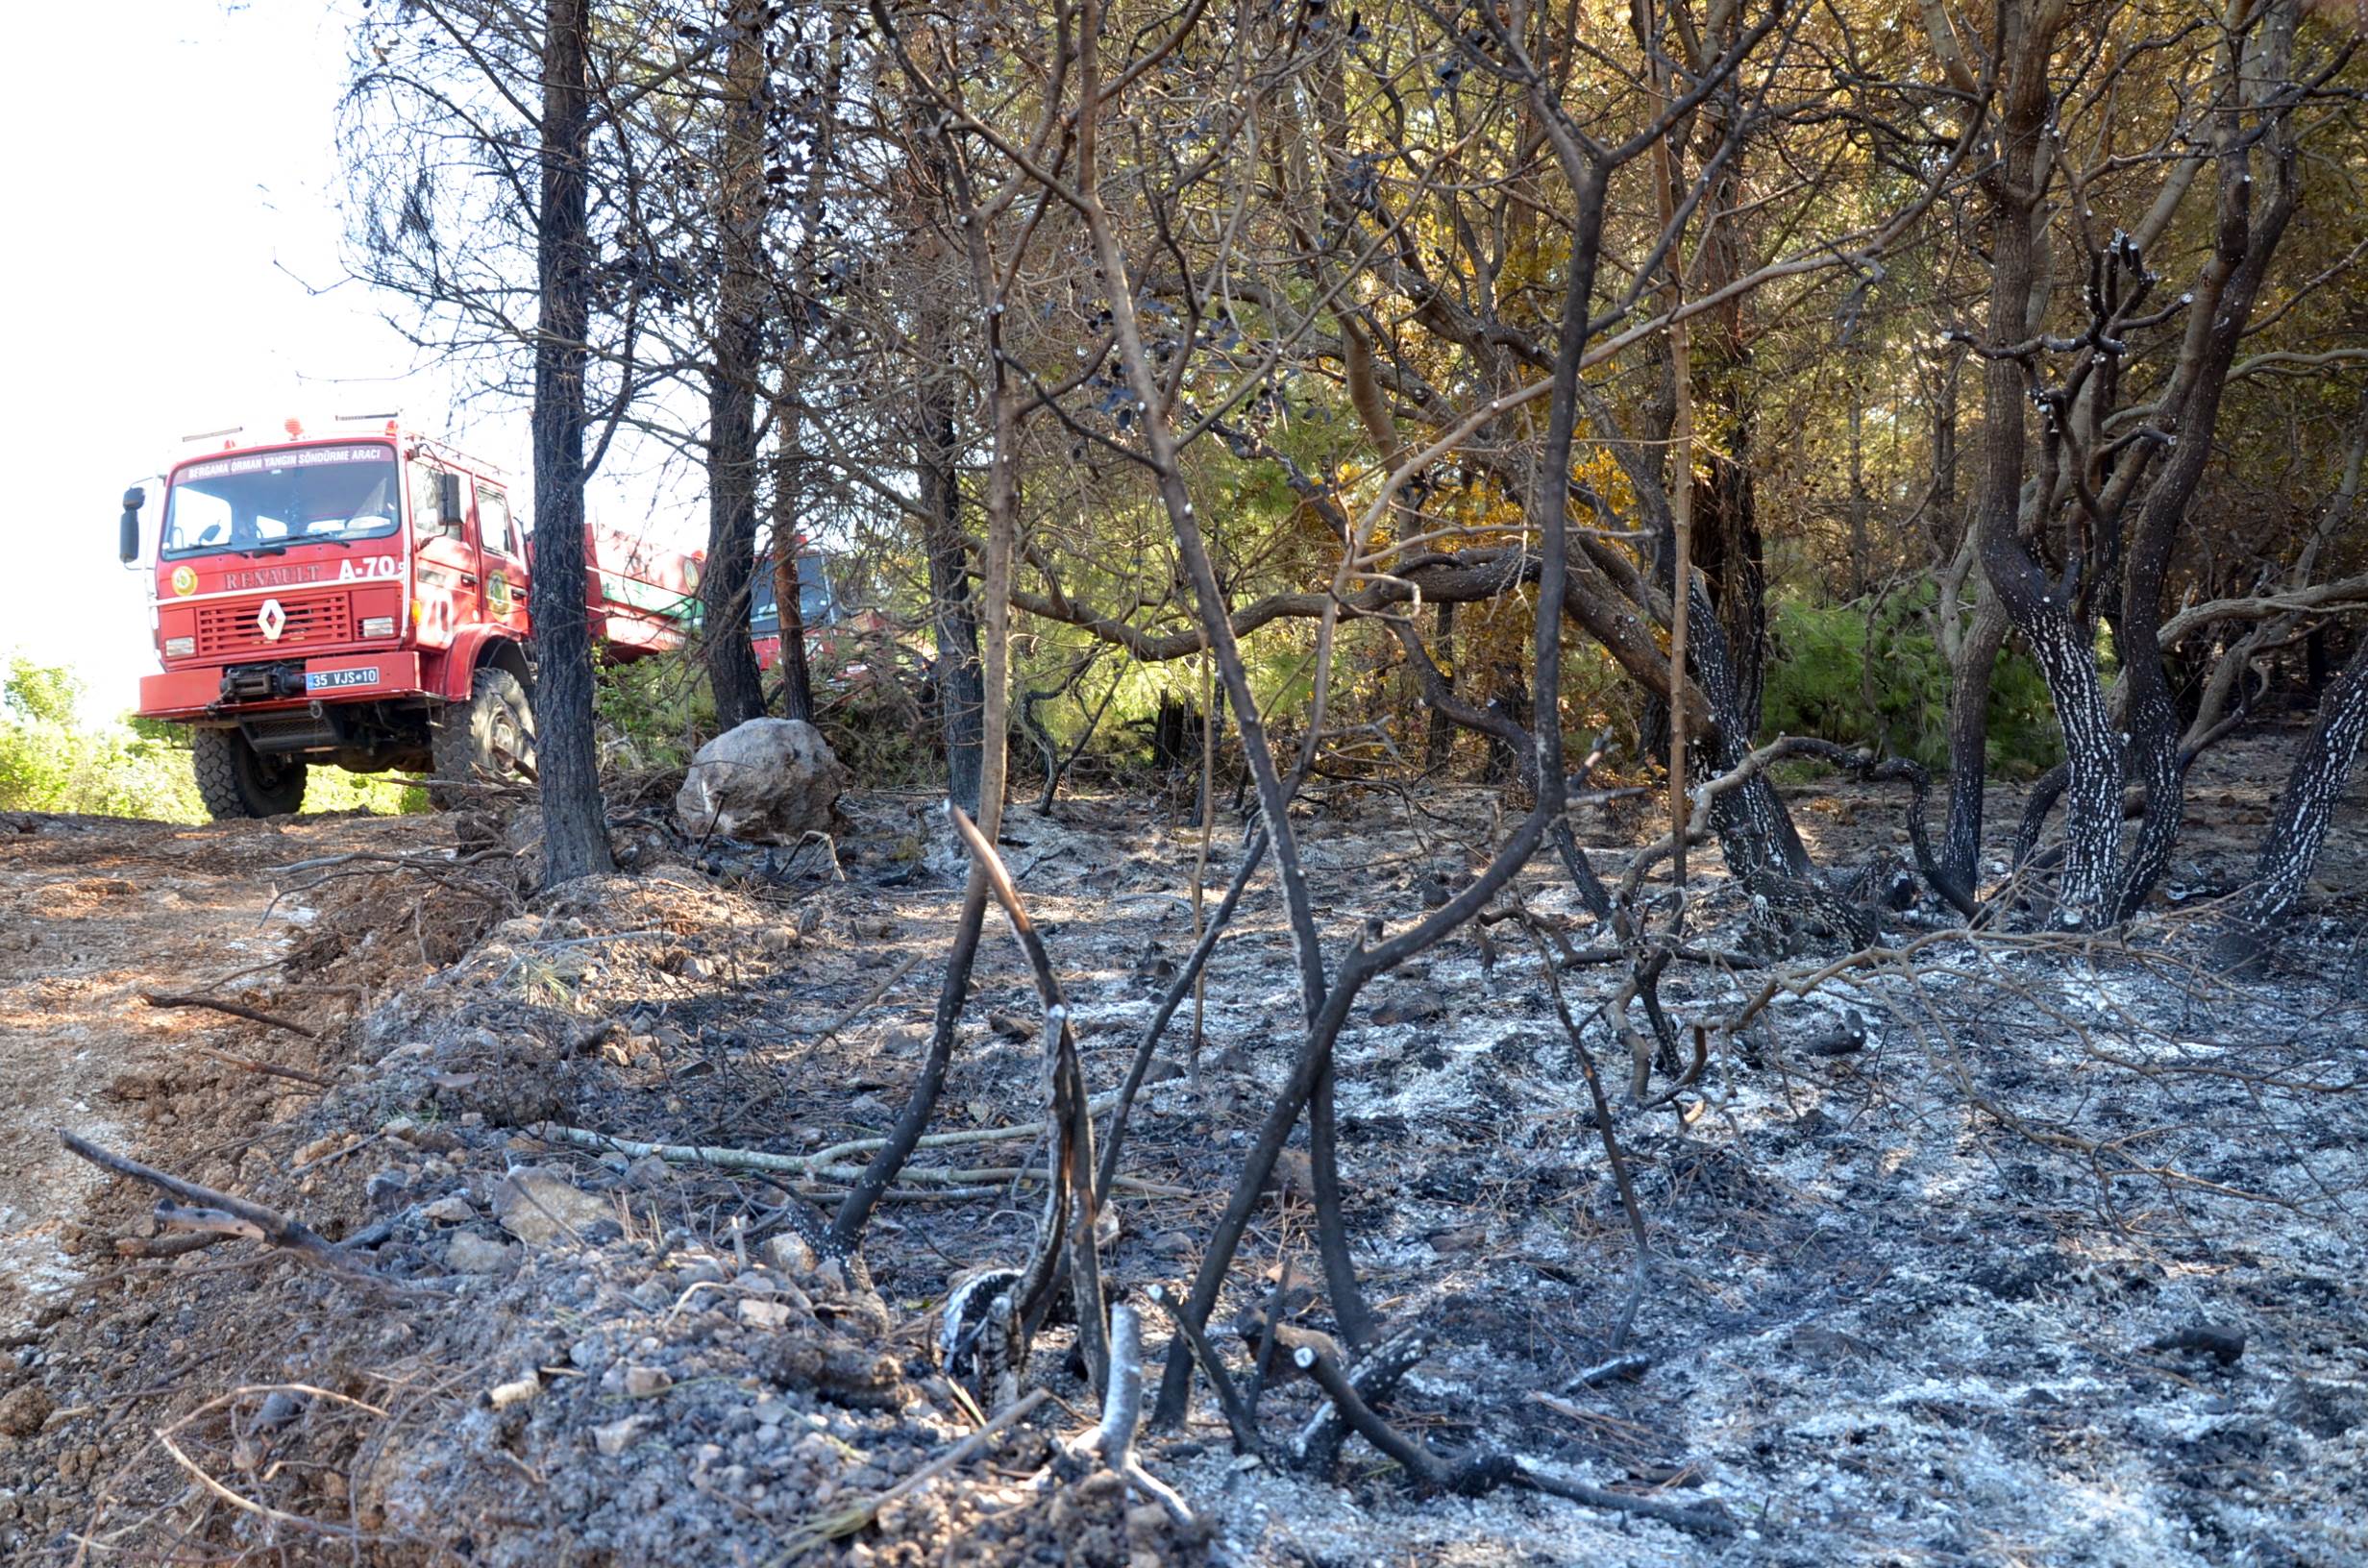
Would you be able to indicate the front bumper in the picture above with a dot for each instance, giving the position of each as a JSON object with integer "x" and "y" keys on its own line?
{"x": 199, "y": 693}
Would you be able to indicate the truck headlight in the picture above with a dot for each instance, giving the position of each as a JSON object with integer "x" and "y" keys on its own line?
{"x": 378, "y": 625}
{"x": 179, "y": 647}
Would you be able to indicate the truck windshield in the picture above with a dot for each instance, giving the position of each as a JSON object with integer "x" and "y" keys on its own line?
{"x": 267, "y": 501}
{"x": 813, "y": 596}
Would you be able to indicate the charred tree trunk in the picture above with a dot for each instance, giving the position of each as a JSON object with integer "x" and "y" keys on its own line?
{"x": 1439, "y": 746}
{"x": 2033, "y": 604}
{"x": 1970, "y": 673}
{"x": 2247, "y": 233}
{"x": 790, "y": 465}
{"x": 740, "y": 207}
{"x": 2290, "y": 846}
{"x": 961, "y": 686}
{"x": 575, "y": 821}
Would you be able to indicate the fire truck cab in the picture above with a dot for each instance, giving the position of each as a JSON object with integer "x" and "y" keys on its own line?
{"x": 355, "y": 597}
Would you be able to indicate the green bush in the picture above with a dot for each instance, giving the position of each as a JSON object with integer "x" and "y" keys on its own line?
{"x": 652, "y": 713}
{"x": 51, "y": 761}
{"x": 1841, "y": 674}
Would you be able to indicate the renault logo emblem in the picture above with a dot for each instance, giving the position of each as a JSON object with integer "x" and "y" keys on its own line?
{"x": 271, "y": 620}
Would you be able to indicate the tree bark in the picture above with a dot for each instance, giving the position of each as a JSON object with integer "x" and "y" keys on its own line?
{"x": 740, "y": 209}
{"x": 575, "y": 821}
{"x": 961, "y": 688}
{"x": 2290, "y": 846}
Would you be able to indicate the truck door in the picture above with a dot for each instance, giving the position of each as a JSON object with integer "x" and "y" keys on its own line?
{"x": 446, "y": 572}
{"x": 504, "y": 554}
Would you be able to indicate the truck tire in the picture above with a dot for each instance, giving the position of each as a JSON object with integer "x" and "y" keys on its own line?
{"x": 237, "y": 782}
{"x": 493, "y": 734}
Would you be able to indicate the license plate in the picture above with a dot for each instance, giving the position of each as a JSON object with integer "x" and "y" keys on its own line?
{"x": 330, "y": 680}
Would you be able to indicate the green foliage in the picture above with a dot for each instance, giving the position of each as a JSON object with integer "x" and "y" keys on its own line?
{"x": 51, "y": 761}
{"x": 652, "y": 712}
{"x": 1844, "y": 674}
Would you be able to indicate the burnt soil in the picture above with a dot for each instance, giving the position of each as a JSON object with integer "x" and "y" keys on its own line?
{"x": 1903, "y": 1303}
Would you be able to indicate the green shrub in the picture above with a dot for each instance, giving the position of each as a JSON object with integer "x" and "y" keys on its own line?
{"x": 1841, "y": 674}
{"x": 51, "y": 761}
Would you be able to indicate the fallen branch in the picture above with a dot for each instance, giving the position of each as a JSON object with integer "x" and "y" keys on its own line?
{"x": 269, "y": 1225}
{"x": 174, "y": 1217}
{"x": 869, "y": 1002}
{"x": 235, "y": 1009}
{"x": 1376, "y": 1374}
{"x": 1473, "y": 1474}
{"x": 815, "y": 1165}
{"x": 270, "y": 1069}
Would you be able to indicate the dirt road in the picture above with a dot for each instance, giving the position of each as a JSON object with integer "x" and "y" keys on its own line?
{"x": 93, "y": 913}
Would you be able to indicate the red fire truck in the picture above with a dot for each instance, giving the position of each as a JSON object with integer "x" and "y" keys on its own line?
{"x": 359, "y": 597}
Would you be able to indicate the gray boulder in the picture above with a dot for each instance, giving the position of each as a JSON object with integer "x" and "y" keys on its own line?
{"x": 767, "y": 781}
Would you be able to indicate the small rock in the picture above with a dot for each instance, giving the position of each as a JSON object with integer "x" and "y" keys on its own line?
{"x": 763, "y": 1313}
{"x": 452, "y": 1209}
{"x": 789, "y": 1252}
{"x": 1293, "y": 1176}
{"x": 469, "y": 1253}
{"x": 1415, "y": 1006}
{"x": 502, "y": 1395}
{"x": 646, "y": 1172}
{"x": 22, "y": 1412}
{"x": 615, "y": 1437}
{"x": 1173, "y": 1244}
{"x": 538, "y": 1206}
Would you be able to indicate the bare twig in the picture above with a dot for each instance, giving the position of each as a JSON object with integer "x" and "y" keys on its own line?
{"x": 235, "y": 1009}
{"x": 270, "y": 1226}
{"x": 1237, "y": 1417}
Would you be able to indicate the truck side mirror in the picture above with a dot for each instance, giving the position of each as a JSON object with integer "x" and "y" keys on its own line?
{"x": 448, "y": 505}
{"x": 127, "y": 544}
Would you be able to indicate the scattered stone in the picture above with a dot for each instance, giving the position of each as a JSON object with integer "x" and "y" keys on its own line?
{"x": 766, "y": 781}
{"x": 615, "y": 1437}
{"x": 762, "y": 1312}
{"x": 469, "y": 1253}
{"x": 1415, "y": 1006}
{"x": 2222, "y": 1344}
{"x": 538, "y": 1206}
{"x": 502, "y": 1395}
{"x": 1294, "y": 1175}
{"x": 789, "y": 1252}
{"x": 22, "y": 1412}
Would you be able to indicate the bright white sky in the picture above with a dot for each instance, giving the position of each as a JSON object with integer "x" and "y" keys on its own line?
{"x": 172, "y": 185}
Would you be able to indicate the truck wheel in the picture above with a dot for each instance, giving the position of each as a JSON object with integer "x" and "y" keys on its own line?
{"x": 492, "y": 735}
{"x": 237, "y": 782}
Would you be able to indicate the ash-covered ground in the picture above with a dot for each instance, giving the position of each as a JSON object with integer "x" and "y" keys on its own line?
{"x": 1925, "y": 1245}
